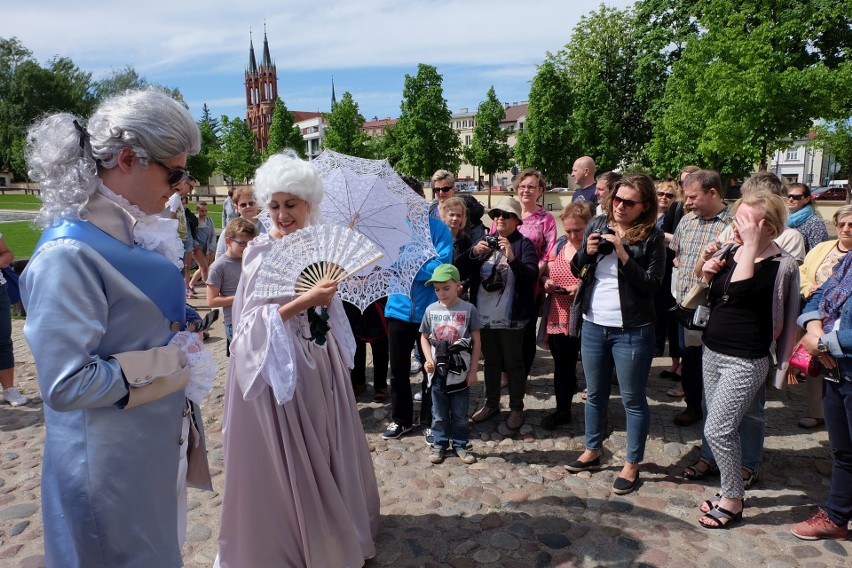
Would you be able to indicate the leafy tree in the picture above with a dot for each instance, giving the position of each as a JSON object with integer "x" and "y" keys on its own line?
{"x": 283, "y": 133}
{"x": 344, "y": 132}
{"x": 546, "y": 143}
{"x": 423, "y": 139}
{"x": 128, "y": 78}
{"x": 600, "y": 60}
{"x": 211, "y": 121}
{"x": 488, "y": 148}
{"x": 203, "y": 164}
{"x": 237, "y": 158}
{"x": 759, "y": 72}
{"x": 18, "y": 157}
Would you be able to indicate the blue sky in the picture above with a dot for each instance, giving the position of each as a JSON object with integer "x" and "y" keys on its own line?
{"x": 201, "y": 47}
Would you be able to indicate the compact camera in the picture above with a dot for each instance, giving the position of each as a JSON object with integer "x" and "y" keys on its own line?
{"x": 701, "y": 317}
{"x": 606, "y": 247}
{"x": 492, "y": 241}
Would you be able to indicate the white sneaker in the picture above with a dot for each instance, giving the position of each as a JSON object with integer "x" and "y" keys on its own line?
{"x": 416, "y": 367}
{"x": 14, "y": 397}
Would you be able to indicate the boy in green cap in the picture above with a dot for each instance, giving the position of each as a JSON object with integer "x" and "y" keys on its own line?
{"x": 449, "y": 336}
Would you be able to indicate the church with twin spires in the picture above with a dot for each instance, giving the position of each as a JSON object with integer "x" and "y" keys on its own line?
{"x": 261, "y": 93}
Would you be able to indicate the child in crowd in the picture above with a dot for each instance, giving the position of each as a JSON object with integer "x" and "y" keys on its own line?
{"x": 224, "y": 273}
{"x": 449, "y": 336}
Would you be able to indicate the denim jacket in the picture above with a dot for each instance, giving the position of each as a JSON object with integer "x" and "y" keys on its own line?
{"x": 839, "y": 342}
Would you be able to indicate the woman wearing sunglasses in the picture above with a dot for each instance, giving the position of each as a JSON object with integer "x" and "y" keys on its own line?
{"x": 622, "y": 261}
{"x": 502, "y": 281}
{"x": 247, "y": 208}
{"x": 803, "y": 216}
{"x": 666, "y": 328}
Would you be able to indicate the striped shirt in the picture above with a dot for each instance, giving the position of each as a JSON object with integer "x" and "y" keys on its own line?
{"x": 691, "y": 237}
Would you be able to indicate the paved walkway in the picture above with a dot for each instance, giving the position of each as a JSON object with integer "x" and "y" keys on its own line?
{"x": 517, "y": 507}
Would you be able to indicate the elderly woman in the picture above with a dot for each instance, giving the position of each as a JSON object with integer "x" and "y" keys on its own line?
{"x": 828, "y": 322}
{"x": 501, "y": 288}
{"x": 539, "y": 227}
{"x": 299, "y": 483}
{"x": 803, "y": 216}
{"x": 104, "y": 298}
{"x": 621, "y": 262}
{"x": 753, "y": 298}
{"x": 562, "y": 286}
{"x": 817, "y": 268}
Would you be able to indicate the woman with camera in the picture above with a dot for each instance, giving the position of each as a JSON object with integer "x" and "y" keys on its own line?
{"x": 621, "y": 264}
{"x": 753, "y": 306}
{"x": 501, "y": 287}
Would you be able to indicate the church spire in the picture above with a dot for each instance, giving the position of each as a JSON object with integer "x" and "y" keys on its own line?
{"x": 252, "y": 60}
{"x": 333, "y": 97}
{"x": 267, "y": 60}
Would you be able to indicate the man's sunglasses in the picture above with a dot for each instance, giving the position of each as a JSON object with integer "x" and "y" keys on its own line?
{"x": 443, "y": 189}
{"x": 176, "y": 175}
{"x": 795, "y": 197}
{"x": 504, "y": 214}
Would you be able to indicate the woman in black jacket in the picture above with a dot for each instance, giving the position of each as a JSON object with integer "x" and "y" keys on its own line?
{"x": 502, "y": 281}
{"x": 622, "y": 263}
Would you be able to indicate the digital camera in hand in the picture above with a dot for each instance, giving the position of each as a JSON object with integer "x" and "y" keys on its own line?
{"x": 492, "y": 241}
{"x": 606, "y": 247}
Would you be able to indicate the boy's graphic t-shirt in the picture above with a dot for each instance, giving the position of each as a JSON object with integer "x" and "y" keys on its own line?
{"x": 451, "y": 325}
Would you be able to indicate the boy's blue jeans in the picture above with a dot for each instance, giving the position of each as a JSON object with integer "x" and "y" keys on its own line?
{"x": 449, "y": 415}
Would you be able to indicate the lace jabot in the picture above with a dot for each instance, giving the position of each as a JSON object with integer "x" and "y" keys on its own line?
{"x": 150, "y": 232}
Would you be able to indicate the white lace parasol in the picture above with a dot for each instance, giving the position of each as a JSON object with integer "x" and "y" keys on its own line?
{"x": 300, "y": 260}
{"x": 370, "y": 197}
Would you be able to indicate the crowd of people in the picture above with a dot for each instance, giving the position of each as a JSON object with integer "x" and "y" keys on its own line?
{"x": 641, "y": 265}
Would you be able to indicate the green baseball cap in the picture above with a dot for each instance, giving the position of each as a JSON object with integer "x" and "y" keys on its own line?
{"x": 443, "y": 273}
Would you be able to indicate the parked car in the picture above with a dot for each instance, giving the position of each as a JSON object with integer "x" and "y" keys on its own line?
{"x": 498, "y": 188}
{"x": 833, "y": 193}
{"x": 558, "y": 190}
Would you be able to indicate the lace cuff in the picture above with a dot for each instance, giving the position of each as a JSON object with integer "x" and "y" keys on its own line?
{"x": 202, "y": 368}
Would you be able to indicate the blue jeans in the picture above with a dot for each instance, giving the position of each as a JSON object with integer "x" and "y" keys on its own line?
{"x": 631, "y": 349}
{"x": 837, "y": 405}
{"x": 229, "y": 336}
{"x": 449, "y": 415}
{"x": 752, "y": 428}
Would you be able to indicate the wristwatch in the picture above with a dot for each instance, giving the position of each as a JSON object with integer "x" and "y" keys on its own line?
{"x": 822, "y": 347}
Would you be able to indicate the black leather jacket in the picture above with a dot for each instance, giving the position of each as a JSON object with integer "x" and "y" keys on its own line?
{"x": 638, "y": 279}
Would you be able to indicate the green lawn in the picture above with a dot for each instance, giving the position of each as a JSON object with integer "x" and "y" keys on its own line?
{"x": 22, "y": 236}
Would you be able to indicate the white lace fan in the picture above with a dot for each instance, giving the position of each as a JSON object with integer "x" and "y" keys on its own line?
{"x": 302, "y": 259}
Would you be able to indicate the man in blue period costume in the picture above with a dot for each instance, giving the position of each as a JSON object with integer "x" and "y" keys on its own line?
{"x": 104, "y": 297}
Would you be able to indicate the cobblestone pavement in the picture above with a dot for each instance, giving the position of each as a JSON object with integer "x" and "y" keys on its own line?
{"x": 516, "y": 507}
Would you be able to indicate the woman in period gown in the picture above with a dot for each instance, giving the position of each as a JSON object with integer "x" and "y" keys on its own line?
{"x": 300, "y": 489}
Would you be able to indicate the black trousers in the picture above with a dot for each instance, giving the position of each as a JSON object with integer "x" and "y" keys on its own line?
{"x": 565, "y": 351}
{"x": 379, "y": 348}
{"x": 402, "y": 337}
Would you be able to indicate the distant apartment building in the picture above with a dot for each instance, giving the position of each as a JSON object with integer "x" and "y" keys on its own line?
{"x": 463, "y": 123}
{"x": 377, "y": 127}
{"x": 801, "y": 162}
{"x": 312, "y": 125}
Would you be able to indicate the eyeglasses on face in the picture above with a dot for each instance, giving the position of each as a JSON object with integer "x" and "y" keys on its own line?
{"x": 795, "y": 197}
{"x": 176, "y": 175}
{"x": 841, "y": 225}
{"x": 528, "y": 187}
{"x": 443, "y": 189}
{"x": 628, "y": 203}
{"x": 497, "y": 214}
{"x": 247, "y": 204}
{"x": 666, "y": 194}
{"x": 242, "y": 244}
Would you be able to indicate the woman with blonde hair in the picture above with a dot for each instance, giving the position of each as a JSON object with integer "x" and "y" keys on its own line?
{"x": 753, "y": 290}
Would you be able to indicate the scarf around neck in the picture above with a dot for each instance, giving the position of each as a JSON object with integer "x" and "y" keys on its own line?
{"x": 800, "y": 216}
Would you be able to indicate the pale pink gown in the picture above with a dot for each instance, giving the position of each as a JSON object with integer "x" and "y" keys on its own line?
{"x": 300, "y": 489}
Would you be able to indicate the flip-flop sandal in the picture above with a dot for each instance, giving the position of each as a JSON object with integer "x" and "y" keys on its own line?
{"x": 720, "y": 518}
{"x": 711, "y": 503}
